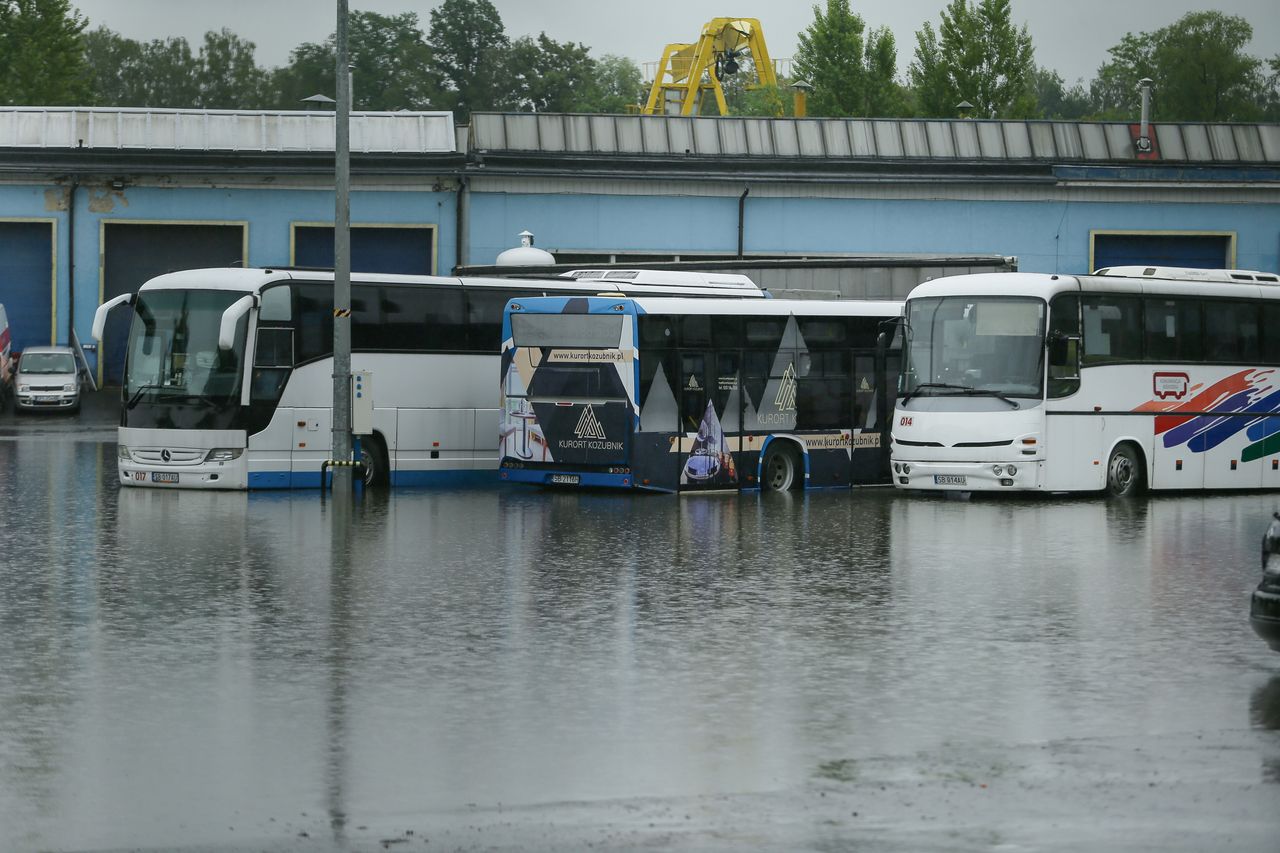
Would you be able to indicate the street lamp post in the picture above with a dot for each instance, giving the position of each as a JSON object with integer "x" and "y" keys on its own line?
{"x": 341, "y": 452}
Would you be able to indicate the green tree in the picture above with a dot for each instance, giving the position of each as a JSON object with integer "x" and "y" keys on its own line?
{"x": 618, "y": 85}
{"x": 548, "y": 76}
{"x": 469, "y": 45}
{"x": 170, "y": 74}
{"x": 1271, "y": 95}
{"x": 851, "y": 75}
{"x": 1198, "y": 66}
{"x": 42, "y": 54}
{"x": 1054, "y": 100}
{"x": 977, "y": 55}
{"x": 115, "y": 69}
{"x": 229, "y": 76}
{"x": 391, "y": 66}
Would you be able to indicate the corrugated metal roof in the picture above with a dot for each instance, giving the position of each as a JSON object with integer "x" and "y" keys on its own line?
{"x": 55, "y": 128}
{"x": 875, "y": 139}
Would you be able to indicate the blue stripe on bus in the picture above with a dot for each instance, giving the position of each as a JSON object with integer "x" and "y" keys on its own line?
{"x": 311, "y": 479}
{"x": 465, "y": 477}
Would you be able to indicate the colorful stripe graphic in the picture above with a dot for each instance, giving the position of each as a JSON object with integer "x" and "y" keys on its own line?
{"x": 1229, "y": 400}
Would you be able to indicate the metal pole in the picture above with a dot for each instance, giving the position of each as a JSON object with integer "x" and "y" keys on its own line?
{"x": 342, "y": 263}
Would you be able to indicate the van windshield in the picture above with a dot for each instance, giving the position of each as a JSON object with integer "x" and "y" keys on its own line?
{"x": 47, "y": 362}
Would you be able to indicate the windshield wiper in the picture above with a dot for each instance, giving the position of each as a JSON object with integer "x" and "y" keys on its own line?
{"x": 916, "y": 389}
{"x": 133, "y": 401}
{"x": 963, "y": 389}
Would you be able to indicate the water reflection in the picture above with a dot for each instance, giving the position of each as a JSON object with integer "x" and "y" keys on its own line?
{"x": 165, "y": 649}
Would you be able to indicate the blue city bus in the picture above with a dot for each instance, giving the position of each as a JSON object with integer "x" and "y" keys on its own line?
{"x": 676, "y": 394}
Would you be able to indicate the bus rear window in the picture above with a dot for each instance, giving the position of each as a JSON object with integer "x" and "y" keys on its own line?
{"x": 598, "y": 331}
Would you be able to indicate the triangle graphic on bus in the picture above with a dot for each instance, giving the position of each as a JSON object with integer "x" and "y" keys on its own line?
{"x": 588, "y": 426}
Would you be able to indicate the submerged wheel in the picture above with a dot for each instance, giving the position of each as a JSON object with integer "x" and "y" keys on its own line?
{"x": 1125, "y": 476}
{"x": 376, "y": 471}
{"x": 782, "y": 470}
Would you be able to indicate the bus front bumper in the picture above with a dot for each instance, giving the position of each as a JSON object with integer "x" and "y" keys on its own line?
{"x": 229, "y": 474}
{"x": 967, "y": 476}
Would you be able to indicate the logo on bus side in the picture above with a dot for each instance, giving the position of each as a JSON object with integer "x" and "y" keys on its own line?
{"x": 1165, "y": 385}
{"x": 588, "y": 426}
{"x": 785, "y": 399}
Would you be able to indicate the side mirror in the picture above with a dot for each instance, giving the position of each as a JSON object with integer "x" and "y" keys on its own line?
{"x": 227, "y": 328}
{"x": 100, "y": 316}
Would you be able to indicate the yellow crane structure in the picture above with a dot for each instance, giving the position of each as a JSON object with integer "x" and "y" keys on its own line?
{"x": 688, "y": 71}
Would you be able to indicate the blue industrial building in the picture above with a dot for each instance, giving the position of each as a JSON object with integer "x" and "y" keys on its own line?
{"x": 95, "y": 201}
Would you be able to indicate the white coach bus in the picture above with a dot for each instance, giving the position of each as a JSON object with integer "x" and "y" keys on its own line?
{"x": 1132, "y": 378}
{"x": 228, "y": 373}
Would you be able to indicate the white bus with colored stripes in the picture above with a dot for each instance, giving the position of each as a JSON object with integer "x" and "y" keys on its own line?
{"x": 228, "y": 374}
{"x": 1131, "y": 378}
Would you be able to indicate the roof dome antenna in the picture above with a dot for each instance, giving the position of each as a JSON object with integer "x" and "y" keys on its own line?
{"x": 525, "y": 255}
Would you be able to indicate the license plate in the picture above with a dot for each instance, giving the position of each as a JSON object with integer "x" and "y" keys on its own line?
{"x": 164, "y": 477}
{"x": 564, "y": 479}
{"x": 948, "y": 480}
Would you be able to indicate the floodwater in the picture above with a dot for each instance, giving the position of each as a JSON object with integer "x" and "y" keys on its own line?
{"x": 517, "y": 669}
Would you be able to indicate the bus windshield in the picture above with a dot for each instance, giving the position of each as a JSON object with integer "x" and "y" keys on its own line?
{"x": 173, "y": 347}
{"x": 975, "y": 344}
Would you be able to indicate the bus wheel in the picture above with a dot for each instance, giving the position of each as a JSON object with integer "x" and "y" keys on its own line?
{"x": 1124, "y": 472}
{"x": 374, "y": 456}
{"x": 781, "y": 469}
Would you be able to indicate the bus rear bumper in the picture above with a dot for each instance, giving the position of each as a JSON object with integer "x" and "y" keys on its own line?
{"x": 966, "y": 476}
{"x": 579, "y": 479}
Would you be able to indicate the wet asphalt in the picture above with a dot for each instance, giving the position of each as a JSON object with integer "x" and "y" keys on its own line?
{"x": 516, "y": 669}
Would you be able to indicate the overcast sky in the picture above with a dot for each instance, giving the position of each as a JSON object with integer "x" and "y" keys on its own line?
{"x": 1070, "y": 37}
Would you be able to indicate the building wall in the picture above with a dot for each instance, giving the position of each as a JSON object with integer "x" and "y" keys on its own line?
{"x": 1048, "y": 231}
{"x": 268, "y": 213}
{"x": 1046, "y": 225}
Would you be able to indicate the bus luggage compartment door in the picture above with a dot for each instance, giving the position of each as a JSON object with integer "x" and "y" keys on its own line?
{"x": 586, "y": 433}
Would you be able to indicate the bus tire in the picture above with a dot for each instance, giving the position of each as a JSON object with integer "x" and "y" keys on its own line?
{"x": 373, "y": 454}
{"x": 782, "y": 471}
{"x": 1126, "y": 475}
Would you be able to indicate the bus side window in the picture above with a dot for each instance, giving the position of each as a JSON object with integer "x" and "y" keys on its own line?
{"x": 1172, "y": 329}
{"x": 1231, "y": 331}
{"x": 1271, "y": 333}
{"x": 1112, "y": 328}
{"x": 484, "y": 319}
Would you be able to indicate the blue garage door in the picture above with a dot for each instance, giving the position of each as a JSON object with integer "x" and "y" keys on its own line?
{"x": 1161, "y": 250}
{"x": 404, "y": 251}
{"x": 137, "y": 252}
{"x": 26, "y": 281}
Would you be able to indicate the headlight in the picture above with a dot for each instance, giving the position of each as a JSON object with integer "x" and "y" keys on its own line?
{"x": 24, "y": 389}
{"x": 998, "y": 470}
{"x": 123, "y": 452}
{"x": 68, "y": 388}
{"x": 1011, "y": 469}
{"x": 224, "y": 454}
{"x": 906, "y": 467}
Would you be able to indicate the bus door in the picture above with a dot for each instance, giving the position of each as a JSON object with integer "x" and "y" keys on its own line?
{"x": 710, "y": 418}
{"x": 869, "y": 407}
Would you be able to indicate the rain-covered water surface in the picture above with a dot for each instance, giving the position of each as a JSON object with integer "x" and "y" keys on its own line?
{"x": 185, "y": 669}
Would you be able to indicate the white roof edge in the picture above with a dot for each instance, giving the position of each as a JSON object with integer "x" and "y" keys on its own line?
{"x": 1189, "y": 274}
